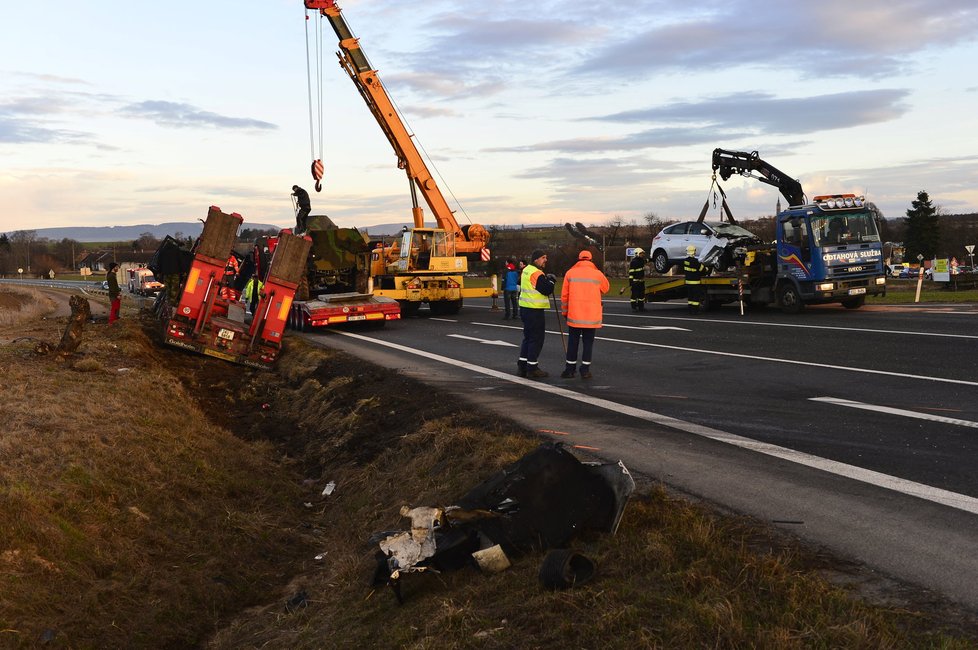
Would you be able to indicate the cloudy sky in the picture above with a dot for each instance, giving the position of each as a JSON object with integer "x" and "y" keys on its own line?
{"x": 117, "y": 113}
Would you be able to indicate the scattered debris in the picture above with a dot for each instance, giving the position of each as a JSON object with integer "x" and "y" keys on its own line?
{"x": 541, "y": 501}
{"x": 563, "y": 568}
{"x": 328, "y": 490}
{"x": 492, "y": 559}
{"x": 297, "y": 602}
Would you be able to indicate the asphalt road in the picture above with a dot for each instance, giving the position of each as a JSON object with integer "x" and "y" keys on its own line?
{"x": 856, "y": 430}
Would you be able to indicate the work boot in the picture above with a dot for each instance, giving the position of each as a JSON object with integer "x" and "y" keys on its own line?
{"x": 521, "y": 372}
{"x": 567, "y": 374}
{"x": 585, "y": 374}
{"x": 536, "y": 373}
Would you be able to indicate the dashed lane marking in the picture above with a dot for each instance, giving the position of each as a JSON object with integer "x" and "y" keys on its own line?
{"x": 885, "y": 481}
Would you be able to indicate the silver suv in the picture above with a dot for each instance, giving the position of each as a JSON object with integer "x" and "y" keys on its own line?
{"x": 669, "y": 246}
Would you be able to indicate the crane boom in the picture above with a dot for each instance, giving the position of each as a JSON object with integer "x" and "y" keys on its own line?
{"x": 729, "y": 163}
{"x": 353, "y": 60}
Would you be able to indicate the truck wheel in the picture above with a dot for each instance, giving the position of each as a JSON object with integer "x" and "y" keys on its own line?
{"x": 660, "y": 262}
{"x": 445, "y": 307}
{"x": 789, "y": 299}
{"x": 409, "y": 309}
{"x": 854, "y": 303}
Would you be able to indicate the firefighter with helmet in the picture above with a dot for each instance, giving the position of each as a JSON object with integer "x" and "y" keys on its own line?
{"x": 636, "y": 280}
{"x": 694, "y": 270}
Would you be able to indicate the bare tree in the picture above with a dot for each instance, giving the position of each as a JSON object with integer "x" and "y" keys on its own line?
{"x": 23, "y": 241}
{"x": 653, "y": 223}
{"x": 614, "y": 228}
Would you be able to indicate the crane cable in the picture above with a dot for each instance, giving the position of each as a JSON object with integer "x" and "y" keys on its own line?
{"x": 317, "y": 162}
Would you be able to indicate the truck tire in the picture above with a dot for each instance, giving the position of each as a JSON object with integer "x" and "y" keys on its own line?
{"x": 854, "y": 303}
{"x": 409, "y": 309}
{"x": 660, "y": 262}
{"x": 789, "y": 299}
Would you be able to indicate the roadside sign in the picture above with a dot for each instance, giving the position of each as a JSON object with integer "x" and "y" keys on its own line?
{"x": 484, "y": 254}
{"x": 970, "y": 248}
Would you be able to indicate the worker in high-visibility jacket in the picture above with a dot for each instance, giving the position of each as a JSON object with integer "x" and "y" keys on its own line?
{"x": 694, "y": 270}
{"x": 535, "y": 287}
{"x": 251, "y": 292}
{"x": 580, "y": 301}
{"x": 636, "y": 280}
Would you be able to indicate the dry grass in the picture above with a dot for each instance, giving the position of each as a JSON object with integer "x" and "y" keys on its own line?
{"x": 132, "y": 520}
{"x": 22, "y": 304}
{"x": 129, "y": 519}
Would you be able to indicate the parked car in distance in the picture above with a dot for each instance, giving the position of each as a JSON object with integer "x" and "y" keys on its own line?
{"x": 911, "y": 274}
{"x": 894, "y": 270}
{"x": 669, "y": 246}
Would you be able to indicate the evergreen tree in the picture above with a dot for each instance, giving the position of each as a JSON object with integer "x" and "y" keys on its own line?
{"x": 923, "y": 230}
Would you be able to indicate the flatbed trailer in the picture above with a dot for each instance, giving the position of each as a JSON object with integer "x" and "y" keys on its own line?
{"x": 720, "y": 289}
{"x": 339, "y": 308}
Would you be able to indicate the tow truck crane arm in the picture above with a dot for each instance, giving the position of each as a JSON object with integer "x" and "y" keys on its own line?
{"x": 728, "y": 163}
{"x": 467, "y": 240}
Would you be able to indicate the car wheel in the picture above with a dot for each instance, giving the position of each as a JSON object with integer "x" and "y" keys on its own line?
{"x": 789, "y": 299}
{"x": 660, "y": 262}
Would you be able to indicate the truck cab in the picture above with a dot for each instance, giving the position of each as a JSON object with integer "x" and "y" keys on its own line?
{"x": 828, "y": 251}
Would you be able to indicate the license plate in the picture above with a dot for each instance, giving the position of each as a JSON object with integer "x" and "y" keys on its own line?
{"x": 357, "y": 317}
{"x": 226, "y": 334}
{"x": 856, "y": 292}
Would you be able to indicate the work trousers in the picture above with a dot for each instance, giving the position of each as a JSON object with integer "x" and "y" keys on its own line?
{"x": 114, "y": 308}
{"x": 638, "y": 295}
{"x": 511, "y": 301}
{"x": 583, "y": 335}
{"x": 300, "y": 219}
{"x": 534, "y": 329}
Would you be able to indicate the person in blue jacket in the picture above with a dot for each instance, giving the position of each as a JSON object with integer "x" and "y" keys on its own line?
{"x": 511, "y": 290}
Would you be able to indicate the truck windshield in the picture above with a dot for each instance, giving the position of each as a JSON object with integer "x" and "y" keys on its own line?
{"x": 849, "y": 228}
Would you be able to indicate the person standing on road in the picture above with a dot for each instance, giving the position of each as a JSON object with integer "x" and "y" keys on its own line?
{"x": 636, "y": 280}
{"x": 580, "y": 300}
{"x": 535, "y": 286}
{"x": 511, "y": 290}
{"x": 694, "y": 270}
{"x": 305, "y": 207}
{"x": 115, "y": 294}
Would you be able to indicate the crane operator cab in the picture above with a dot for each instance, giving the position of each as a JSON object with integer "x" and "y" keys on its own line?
{"x": 428, "y": 249}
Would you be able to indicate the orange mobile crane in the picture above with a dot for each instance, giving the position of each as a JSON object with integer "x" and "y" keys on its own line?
{"x": 426, "y": 265}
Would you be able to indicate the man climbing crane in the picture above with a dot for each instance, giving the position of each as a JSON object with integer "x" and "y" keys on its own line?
{"x": 304, "y": 208}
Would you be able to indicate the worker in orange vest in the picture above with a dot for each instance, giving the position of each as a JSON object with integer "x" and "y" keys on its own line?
{"x": 580, "y": 300}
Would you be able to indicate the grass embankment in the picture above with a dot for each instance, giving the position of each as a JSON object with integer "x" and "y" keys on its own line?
{"x": 149, "y": 504}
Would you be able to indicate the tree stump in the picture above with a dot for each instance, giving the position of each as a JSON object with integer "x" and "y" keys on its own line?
{"x": 81, "y": 312}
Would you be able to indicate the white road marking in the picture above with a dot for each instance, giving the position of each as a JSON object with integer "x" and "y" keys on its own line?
{"x": 801, "y": 326}
{"x": 894, "y": 411}
{"x": 484, "y": 341}
{"x": 646, "y": 327}
{"x": 736, "y": 355}
{"x": 893, "y": 483}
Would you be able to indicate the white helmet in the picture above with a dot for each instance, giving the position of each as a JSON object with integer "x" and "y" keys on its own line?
{"x": 639, "y": 251}
{"x": 691, "y": 250}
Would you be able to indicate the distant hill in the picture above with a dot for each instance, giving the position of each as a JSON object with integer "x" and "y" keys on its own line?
{"x": 131, "y": 233}
{"x": 194, "y": 228}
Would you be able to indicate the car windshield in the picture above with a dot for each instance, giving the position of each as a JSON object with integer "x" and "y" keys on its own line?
{"x": 731, "y": 230}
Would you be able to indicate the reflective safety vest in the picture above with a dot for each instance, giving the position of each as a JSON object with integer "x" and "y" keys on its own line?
{"x": 580, "y": 297}
{"x": 693, "y": 269}
{"x": 529, "y": 296}
{"x": 636, "y": 269}
{"x": 254, "y": 285}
